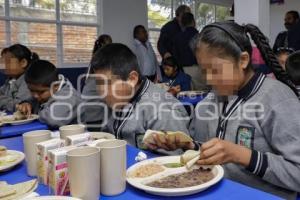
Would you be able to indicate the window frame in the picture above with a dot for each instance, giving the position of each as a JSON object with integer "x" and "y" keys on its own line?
{"x": 59, "y": 29}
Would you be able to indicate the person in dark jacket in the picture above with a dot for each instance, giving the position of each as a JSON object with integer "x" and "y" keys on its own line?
{"x": 183, "y": 53}
{"x": 293, "y": 37}
{"x": 169, "y": 31}
{"x": 181, "y": 48}
{"x": 282, "y": 40}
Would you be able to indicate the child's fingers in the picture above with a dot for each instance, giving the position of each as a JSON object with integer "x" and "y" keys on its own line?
{"x": 214, "y": 160}
{"x": 171, "y": 145}
{"x": 151, "y": 146}
{"x": 209, "y": 144}
{"x": 208, "y": 153}
{"x": 160, "y": 143}
{"x": 28, "y": 110}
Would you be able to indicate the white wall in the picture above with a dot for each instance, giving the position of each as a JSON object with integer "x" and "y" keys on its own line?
{"x": 277, "y": 13}
{"x": 118, "y": 18}
{"x": 255, "y": 12}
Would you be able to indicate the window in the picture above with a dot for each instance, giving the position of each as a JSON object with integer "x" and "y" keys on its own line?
{"x": 222, "y": 13}
{"x": 2, "y": 41}
{"x": 2, "y": 34}
{"x": 83, "y": 11}
{"x": 75, "y": 45}
{"x": 52, "y": 28}
{"x": 1, "y": 7}
{"x": 161, "y": 11}
{"x": 38, "y": 37}
{"x": 204, "y": 14}
{"x": 44, "y": 9}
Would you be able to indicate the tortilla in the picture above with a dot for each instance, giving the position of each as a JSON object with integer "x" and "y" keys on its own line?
{"x": 3, "y": 184}
{"x": 8, "y": 159}
{"x": 163, "y": 135}
{"x": 19, "y": 190}
{"x": 189, "y": 158}
{"x": 6, "y": 191}
{"x": 19, "y": 116}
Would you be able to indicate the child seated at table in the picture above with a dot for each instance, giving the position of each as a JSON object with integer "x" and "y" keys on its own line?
{"x": 175, "y": 77}
{"x": 53, "y": 97}
{"x": 282, "y": 55}
{"x": 93, "y": 112}
{"x": 250, "y": 123}
{"x": 293, "y": 69}
{"x": 137, "y": 104}
{"x": 16, "y": 59}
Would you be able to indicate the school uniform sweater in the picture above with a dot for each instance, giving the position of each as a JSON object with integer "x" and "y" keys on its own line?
{"x": 150, "y": 108}
{"x": 13, "y": 92}
{"x": 93, "y": 105}
{"x": 268, "y": 123}
{"x": 61, "y": 109}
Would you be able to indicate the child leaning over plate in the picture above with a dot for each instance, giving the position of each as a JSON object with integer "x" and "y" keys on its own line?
{"x": 250, "y": 123}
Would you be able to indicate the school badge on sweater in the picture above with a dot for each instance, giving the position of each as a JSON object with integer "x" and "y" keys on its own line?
{"x": 245, "y": 136}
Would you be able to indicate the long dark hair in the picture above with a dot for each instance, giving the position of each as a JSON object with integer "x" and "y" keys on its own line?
{"x": 20, "y": 52}
{"x": 229, "y": 38}
{"x": 101, "y": 41}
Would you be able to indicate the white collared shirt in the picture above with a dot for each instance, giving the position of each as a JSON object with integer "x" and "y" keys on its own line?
{"x": 146, "y": 58}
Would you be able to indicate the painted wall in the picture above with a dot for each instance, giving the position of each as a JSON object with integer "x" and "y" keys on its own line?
{"x": 119, "y": 18}
{"x": 255, "y": 12}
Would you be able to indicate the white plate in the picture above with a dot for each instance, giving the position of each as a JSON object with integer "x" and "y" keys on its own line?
{"x": 20, "y": 158}
{"x": 24, "y": 121}
{"x": 101, "y": 135}
{"x": 54, "y": 198}
{"x": 138, "y": 182}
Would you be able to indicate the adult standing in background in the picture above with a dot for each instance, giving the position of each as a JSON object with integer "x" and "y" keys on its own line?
{"x": 294, "y": 37}
{"x": 183, "y": 53}
{"x": 145, "y": 54}
{"x": 282, "y": 40}
{"x": 169, "y": 31}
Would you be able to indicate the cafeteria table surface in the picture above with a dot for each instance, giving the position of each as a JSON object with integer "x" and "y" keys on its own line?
{"x": 17, "y": 130}
{"x": 194, "y": 100}
{"x": 225, "y": 189}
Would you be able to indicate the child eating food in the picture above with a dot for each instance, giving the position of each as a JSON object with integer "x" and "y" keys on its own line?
{"x": 136, "y": 103}
{"x": 175, "y": 77}
{"x": 250, "y": 123}
{"x": 53, "y": 97}
{"x": 16, "y": 58}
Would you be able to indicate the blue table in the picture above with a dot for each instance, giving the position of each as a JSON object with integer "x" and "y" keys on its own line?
{"x": 191, "y": 100}
{"x": 225, "y": 189}
{"x": 17, "y": 130}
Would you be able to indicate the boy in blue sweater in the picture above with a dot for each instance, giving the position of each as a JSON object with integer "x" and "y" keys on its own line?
{"x": 175, "y": 77}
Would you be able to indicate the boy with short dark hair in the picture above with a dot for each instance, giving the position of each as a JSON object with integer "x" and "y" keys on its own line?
{"x": 53, "y": 97}
{"x": 137, "y": 104}
{"x": 282, "y": 54}
{"x": 293, "y": 69}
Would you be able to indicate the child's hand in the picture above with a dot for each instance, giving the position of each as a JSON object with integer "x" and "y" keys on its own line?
{"x": 168, "y": 144}
{"x": 218, "y": 152}
{"x": 24, "y": 108}
{"x": 175, "y": 90}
